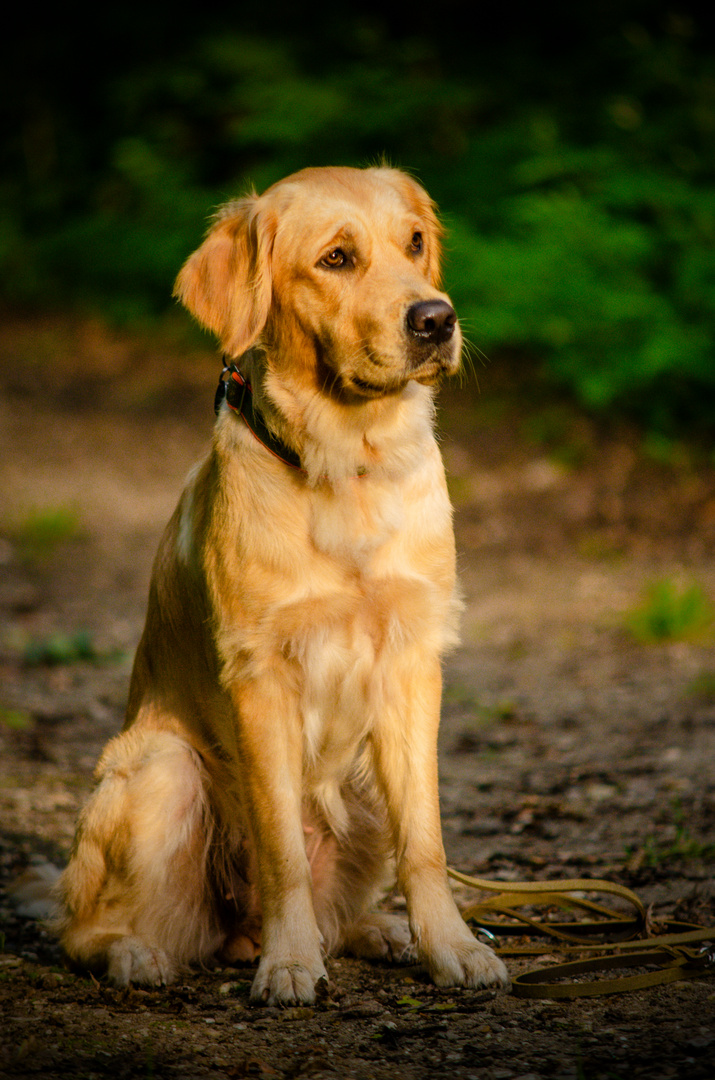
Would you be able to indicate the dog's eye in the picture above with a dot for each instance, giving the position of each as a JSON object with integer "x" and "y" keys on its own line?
{"x": 334, "y": 259}
{"x": 417, "y": 243}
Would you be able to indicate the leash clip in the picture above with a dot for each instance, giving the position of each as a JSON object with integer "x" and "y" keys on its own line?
{"x": 482, "y": 931}
{"x": 707, "y": 952}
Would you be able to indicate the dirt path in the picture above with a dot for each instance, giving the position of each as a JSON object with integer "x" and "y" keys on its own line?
{"x": 568, "y": 748}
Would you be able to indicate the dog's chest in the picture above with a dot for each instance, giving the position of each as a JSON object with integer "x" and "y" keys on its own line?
{"x": 350, "y": 526}
{"x": 339, "y": 595}
{"x": 381, "y": 574}
{"x": 384, "y": 598}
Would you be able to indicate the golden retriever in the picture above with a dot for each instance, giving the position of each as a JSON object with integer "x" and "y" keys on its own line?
{"x": 279, "y": 754}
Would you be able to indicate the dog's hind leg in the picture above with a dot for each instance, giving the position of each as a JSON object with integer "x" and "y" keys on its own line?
{"x": 136, "y": 896}
{"x": 350, "y": 873}
{"x": 381, "y": 936}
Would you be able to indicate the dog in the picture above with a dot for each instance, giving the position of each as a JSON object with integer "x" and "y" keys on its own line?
{"x": 279, "y": 755}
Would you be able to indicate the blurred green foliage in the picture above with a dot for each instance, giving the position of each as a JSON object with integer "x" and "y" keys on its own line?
{"x": 571, "y": 148}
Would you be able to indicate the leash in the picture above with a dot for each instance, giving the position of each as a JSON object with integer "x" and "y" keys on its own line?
{"x": 676, "y": 954}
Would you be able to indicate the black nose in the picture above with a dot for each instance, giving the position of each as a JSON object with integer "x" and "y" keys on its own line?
{"x": 432, "y": 320}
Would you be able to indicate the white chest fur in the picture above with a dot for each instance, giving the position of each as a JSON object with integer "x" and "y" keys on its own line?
{"x": 391, "y": 545}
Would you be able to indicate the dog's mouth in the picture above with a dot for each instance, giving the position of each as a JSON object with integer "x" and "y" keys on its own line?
{"x": 373, "y": 390}
{"x": 428, "y": 373}
{"x": 431, "y": 374}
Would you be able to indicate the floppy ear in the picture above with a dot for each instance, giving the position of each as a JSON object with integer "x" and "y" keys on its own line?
{"x": 226, "y": 283}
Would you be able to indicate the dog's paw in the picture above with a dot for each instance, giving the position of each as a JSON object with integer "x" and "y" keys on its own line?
{"x": 240, "y": 949}
{"x": 288, "y": 983}
{"x": 466, "y": 962}
{"x": 380, "y": 936}
{"x": 31, "y": 893}
{"x": 129, "y": 960}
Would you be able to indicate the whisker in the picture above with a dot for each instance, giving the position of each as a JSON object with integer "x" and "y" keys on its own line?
{"x": 474, "y": 351}
{"x": 470, "y": 344}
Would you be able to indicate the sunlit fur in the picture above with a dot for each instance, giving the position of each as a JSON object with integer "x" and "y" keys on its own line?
{"x": 279, "y": 755}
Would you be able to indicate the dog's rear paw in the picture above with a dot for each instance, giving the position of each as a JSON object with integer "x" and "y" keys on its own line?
{"x": 379, "y": 936}
{"x": 289, "y": 983}
{"x": 468, "y": 963}
{"x": 129, "y": 960}
{"x": 32, "y": 892}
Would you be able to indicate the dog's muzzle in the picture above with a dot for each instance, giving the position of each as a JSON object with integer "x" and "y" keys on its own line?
{"x": 432, "y": 349}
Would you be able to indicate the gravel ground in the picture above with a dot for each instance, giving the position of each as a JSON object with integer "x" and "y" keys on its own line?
{"x": 568, "y": 747}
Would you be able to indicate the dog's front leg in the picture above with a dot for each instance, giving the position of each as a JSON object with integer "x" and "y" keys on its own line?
{"x": 405, "y": 752}
{"x": 270, "y": 756}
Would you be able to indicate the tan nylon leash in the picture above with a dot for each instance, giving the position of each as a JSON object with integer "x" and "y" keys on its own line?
{"x": 670, "y": 956}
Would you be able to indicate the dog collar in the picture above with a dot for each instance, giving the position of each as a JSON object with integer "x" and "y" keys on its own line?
{"x": 236, "y": 391}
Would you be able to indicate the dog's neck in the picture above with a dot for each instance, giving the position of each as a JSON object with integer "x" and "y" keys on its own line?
{"x": 335, "y": 441}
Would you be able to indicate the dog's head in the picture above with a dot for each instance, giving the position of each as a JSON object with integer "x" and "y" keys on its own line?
{"x": 335, "y": 272}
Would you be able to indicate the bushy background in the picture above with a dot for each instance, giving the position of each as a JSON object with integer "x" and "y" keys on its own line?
{"x": 571, "y": 148}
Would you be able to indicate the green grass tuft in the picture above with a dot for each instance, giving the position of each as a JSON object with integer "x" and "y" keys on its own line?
{"x": 672, "y": 613}
{"x": 38, "y": 535}
{"x": 16, "y": 719}
{"x": 59, "y": 648}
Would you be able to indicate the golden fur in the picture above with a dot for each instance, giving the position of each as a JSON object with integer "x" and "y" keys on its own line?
{"x": 279, "y": 753}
